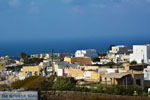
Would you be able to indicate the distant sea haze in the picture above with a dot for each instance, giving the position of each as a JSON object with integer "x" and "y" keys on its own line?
{"x": 14, "y": 48}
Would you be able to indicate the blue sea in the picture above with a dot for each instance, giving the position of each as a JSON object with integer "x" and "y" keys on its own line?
{"x": 65, "y": 46}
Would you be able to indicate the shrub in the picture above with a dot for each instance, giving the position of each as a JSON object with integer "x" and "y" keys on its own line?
{"x": 110, "y": 64}
{"x": 81, "y": 89}
{"x": 33, "y": 83}
{"x": 4, "y": 87}
{"x": 63, "y": 84}
{"x": 118, "y": 90}
{"x": 30, "y": 61}
{"x": 133, "y": 63}
{"x": 96, "y": 59}
{"x": 130, "y": 91}
{"x": 17, "y": 84}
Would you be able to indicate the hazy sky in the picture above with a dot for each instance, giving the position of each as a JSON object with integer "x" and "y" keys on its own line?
{"x": 34, "y": 20}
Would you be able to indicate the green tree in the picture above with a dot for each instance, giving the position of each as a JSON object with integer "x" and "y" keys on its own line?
{"x": 33, "y": 61}
{"x": 23, "y": 55}
{"x": 133, "y": 63}
{"x": 96, "y": 59}
{"x": 130, "y": 91}
{"x": 110, "y": 64}
{"x": 103, "y": 54}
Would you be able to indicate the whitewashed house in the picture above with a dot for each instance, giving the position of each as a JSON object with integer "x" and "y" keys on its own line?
{"x": 147, "y": 73}
{"x": 86, "y": 53}
{"x": 141, "y": 54}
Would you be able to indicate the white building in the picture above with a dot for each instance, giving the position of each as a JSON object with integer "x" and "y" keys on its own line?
{"x": 60, "y": 72}
{"x": 59, "y": 66}
{"x": 141, "y": 54}
{"x": 147, "y": 73}
{"x": 86, "y": 53}
{"x": 119, "y": 49}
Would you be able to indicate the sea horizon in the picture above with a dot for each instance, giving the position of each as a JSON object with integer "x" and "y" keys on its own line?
{"x": 15, "y": 48}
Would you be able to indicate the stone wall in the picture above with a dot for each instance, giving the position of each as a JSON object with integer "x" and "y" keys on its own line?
{"x": 71, "y": 95}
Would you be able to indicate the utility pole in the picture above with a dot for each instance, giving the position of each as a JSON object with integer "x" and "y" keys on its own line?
{"x": 143, "y": 69}
{"x": 117, "y": 65}
{"x": 52, "y": 60}
{"x": 52, "y": 55}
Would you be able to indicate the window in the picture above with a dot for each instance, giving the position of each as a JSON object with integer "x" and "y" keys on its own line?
{"x": 36, "y": 73}
{"x": 30, "y": 73}
{"x": 138, "y": 82}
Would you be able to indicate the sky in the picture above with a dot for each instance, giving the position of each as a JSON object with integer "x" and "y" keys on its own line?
{"x": 72, "y": 24}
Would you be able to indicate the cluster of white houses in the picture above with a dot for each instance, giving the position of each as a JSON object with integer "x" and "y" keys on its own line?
{"x": 82, "y": 66}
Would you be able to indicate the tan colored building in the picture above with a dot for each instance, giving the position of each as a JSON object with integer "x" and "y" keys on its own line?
{"x": 111, "y": 56}
{"x": 138, "y": 67}
{"x": 74, "y": 72}
{"x": 44, "y": 56}
{"x": 125, "y": 58}
{"x": 96, "y": 76}
{"x": 30, "y": 71}
{"x": 2, "y": 66}
{"x": 68, "y": 60}
{"x": 119, "y": 49}
{"x": 125, "y": 79}
{"x": 94, "y": 68}
{"x": 63, "y": 65}
{"x": 117, "y": 78}
{"x": 138, "y": 77}
{"x": 81, "y": 60}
